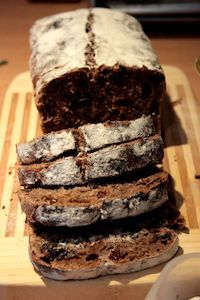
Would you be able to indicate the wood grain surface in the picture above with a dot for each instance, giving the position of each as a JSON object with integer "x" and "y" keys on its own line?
{"x": 19, "y": 122}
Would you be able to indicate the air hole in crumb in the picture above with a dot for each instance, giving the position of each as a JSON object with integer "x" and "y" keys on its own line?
{"x": 46, "y": 259}
{"x": 146, "y": 92}
{"x": 92, "y": 256}
{"x": 124, "y": 102}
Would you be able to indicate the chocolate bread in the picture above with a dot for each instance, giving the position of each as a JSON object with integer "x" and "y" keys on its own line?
{"x": 120, "y": 246}
{"x": 85, "y": 205}
{"x": 108, "y": 162}
{"x": 93, "y": 65}
{"x": 87, "y": 138}
{"x": 113, "y": 254}
{"x": 47, "y": 147}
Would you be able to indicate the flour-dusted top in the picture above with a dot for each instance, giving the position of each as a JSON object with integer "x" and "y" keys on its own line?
{"x": 120, "y": 39}
{"x": 56, "y": 49}
{"x": 59, "y": 43}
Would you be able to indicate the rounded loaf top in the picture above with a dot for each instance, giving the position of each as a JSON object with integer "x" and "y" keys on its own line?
{"x": 88, "y": 38}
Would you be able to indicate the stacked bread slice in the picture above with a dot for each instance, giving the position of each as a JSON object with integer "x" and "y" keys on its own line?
{"x": 95, "y": 200}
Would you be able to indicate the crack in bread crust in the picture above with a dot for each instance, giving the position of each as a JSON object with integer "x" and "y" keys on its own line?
{"x": 89, "y": 50}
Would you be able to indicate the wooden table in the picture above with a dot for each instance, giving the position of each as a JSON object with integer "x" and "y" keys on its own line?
{"x": 181, "y": 159}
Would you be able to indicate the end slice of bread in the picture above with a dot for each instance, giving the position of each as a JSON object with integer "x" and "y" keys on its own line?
{"x": 63, "y": 257}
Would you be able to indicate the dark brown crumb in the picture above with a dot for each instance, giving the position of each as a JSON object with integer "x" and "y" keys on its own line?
{"x": 105, "y": 99}
{"x": 3, "y": 207}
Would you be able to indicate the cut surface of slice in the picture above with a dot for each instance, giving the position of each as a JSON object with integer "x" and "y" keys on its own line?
{"x": 85, "y": 205}
{"x": 106, "y": 247}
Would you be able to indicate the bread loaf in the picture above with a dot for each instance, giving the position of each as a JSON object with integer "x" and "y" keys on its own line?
{"x": 93, "y": 198}
{"x": 81, "y": 206}
{"x": 93, "y": 65}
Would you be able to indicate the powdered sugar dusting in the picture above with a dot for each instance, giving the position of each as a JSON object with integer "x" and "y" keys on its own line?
{"x": 100, "y": 135}
{"x": 46, "y": 147}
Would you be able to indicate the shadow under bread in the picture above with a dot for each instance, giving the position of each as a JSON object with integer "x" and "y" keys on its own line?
{"x": 171, "y": 127}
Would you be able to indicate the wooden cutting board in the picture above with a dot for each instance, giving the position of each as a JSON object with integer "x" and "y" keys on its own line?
{"x": 19, "y": 122}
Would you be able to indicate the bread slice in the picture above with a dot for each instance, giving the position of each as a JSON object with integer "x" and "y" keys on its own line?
{"x": 108, "y": 162}
{"x": 114, "y": 254}
{"x": 85, "y": 205}
{"x": 121, "y": 246}
{"x": 87, "y": 138}
{"x": 47, "y": 147}
{"x": 93, "y": 65}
